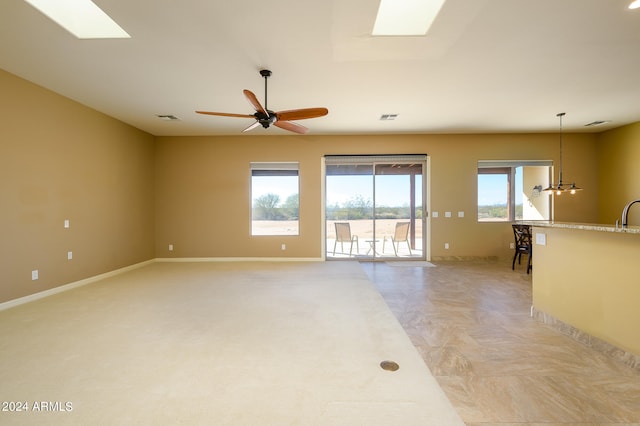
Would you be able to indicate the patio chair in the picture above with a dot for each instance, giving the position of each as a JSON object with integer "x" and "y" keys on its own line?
{"x": 343, "y": 235}
{"x": 400, "y": 235}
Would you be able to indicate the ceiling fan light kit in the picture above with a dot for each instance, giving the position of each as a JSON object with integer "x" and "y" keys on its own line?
{"x": 265, "y": 117}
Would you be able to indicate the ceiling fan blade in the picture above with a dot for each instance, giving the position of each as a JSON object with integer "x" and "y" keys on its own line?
{"x": 301, "y": 114}
{"x": 292, "y": 127}
{"x": 255, "y": 102}
{"x": 226, "y": 114}
{"x": 253, "y": 126}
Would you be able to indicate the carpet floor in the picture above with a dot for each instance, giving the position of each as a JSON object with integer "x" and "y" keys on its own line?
{"x": 238, "y": 343}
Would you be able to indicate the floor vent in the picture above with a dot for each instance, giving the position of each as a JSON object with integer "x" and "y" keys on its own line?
{"x": 389, "y": 366}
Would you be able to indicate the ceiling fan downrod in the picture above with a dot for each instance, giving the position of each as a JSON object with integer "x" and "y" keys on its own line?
{"x": 266, "y": 74}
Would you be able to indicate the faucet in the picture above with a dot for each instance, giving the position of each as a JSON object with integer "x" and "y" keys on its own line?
{"x": 625, "y": 212}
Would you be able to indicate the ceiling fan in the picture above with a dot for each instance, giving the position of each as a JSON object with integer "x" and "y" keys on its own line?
{"x": 265, "y": 117}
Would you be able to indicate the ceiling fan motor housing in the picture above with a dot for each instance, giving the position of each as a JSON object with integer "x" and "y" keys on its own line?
{"x": 266, "y": 121}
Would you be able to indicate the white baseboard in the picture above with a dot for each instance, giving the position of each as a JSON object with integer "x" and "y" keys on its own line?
{"x": 70, "y": 286}
{"x": 239, "y": 259}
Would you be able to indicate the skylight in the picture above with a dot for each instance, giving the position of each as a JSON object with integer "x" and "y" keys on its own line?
{"x": 406, "y": 17}
{"x": 82, "y": 18}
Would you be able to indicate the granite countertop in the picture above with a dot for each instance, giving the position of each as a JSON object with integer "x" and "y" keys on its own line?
{"x": 583, "y": 226}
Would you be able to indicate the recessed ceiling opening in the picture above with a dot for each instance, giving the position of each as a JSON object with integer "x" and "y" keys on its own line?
{"x": 82, "y": 18}
{"x": 405, "y": 17}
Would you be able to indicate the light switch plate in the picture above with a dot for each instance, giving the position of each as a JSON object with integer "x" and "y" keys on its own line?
{"x": 447, "y": 214}
{"x": 541, "y": 239}
{"x": 434, "y": 214}
{"x": 460, "y": 214}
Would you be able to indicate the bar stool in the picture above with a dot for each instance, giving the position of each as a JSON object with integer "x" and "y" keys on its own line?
{"x": 524, "y": 245}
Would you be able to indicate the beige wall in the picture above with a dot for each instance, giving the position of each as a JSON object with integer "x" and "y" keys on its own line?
{"x": 203, "y": 185}
{"x": 536, "y": 205}
{"x": 619, "y": 159}
{"x": 60, "y": 160}
{"x": 129, "y": 194}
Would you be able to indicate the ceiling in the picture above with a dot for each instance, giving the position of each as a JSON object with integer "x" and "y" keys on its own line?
{"x": 485, "y": 65}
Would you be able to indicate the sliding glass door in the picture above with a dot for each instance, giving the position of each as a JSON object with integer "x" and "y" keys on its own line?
{"x": 374, "y": 207}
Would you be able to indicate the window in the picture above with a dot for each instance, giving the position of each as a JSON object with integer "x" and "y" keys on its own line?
{"x": 274, "y": 199}
{"x": 494, "y": 194}
{"x": 511, "y": 190}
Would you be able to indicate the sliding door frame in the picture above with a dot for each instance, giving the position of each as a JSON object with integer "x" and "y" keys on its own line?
{"x": 373, "y": 160}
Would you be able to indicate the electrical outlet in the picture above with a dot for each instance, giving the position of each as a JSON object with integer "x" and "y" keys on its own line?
{"x": 284, "y": 247}
{"x": 446, "y": 246}
{"x": 170, "y": 247}
{"x": 66, "y": 223}
{"x": 69, "y": 255}
{"x": 512, "y": 245}
{"x": 34, "y": 275}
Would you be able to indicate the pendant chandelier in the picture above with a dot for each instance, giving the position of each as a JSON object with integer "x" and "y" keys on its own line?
{"x": 561, "y": 188}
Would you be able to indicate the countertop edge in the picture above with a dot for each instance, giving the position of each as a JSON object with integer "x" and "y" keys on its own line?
{"x": 582, "y": 226}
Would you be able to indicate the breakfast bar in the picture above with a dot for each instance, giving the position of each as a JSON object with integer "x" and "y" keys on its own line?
{"x": 586, "y": 282}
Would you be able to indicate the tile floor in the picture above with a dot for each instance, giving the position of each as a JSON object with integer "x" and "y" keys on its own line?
{"x": 471, "y": 323}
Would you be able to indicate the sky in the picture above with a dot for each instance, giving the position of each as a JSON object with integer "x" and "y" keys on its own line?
{"x": 494, "y": 189}
{"x": 491, "y": 190}
{"x": 391, "y": 190}
{"x": 283, "y": 186}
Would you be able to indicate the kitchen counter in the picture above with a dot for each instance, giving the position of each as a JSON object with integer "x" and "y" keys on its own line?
{"x": 585, "y": 283}
{"x": 583, "y": 226}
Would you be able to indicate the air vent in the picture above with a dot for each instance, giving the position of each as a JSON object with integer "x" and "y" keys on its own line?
{"x": 597, "y": 123}
{"x": 167, "y": 117}
{"x": 388, "y": 117}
